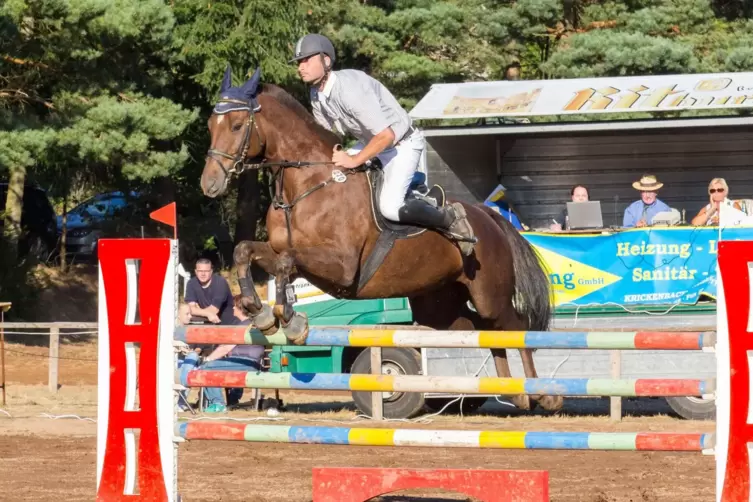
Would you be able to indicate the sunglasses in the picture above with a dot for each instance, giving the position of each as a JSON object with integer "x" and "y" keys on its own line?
{"x": 714, "y": 190}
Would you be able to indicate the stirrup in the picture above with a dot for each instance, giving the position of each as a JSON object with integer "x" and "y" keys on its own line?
{"x": 460, "y": 238}
{"x": 465, "y": 243}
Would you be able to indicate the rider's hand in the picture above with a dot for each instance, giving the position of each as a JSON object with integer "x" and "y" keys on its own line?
{"x": 213, "y": 318}
{"x": 641, "y": 223}
{"x": 342, "y": 159}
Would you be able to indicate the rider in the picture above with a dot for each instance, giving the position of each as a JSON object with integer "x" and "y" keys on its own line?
{"x": 350, "y": 101}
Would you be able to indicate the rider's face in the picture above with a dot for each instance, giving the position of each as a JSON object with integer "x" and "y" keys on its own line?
{"x": 311, "y": 69}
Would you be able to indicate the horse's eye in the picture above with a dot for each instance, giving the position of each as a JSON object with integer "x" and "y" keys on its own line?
{"x": 237, "y": 127}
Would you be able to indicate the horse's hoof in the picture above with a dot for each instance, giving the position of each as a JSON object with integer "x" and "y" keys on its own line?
{"x": 297, "y": 329}
{"x": 523, "y": 402}
{"x": 551, "y": 403}
{"x": 269, "y": 331}
{"x": 265, "y": 319}
{"x": 250, "y": 306}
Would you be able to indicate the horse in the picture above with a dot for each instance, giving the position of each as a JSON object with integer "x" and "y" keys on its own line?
{"x": 323, "y": 225}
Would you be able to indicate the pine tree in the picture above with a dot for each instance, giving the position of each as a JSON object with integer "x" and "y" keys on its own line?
{"x": 653, "y": 37}
{"x": 88, "y": 78}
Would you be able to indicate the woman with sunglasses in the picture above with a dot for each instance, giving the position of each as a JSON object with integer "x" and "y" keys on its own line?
{"x": 709, "y": 214}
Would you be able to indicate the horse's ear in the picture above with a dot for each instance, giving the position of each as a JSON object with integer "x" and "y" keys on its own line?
{"x": 251, "y": 87}
{"x": 227, "y": 80}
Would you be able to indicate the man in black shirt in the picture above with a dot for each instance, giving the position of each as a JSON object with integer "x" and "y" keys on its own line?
{"x": 208, "y": 295}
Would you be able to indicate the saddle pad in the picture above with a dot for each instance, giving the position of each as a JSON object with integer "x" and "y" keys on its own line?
{"x": 389, "y": 231}
{"x": 401, "y": 231}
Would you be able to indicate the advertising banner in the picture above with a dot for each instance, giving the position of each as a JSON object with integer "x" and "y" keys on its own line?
{"x": 638, "y": 266}
{"x": 586, "y": 95}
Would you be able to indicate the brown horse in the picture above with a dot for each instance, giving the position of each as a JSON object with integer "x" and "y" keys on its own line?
{"x": 330, "y": 231}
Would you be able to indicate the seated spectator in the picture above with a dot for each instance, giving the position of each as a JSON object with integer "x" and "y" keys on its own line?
{"x": 578, "y": 193}
{"x": 709, "y": 214}
{"x": 184, "y": 314}
{"x": 225, "y": 358}
{"x": 208, "y": 295}
{"x": 641, "y": 212}
{"x": 184, "y": 319}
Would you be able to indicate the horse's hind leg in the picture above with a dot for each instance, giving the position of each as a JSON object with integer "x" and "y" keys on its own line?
{"x": 245, "y": 253}
{"x": 508, "y": 319}
{"x": 549, "y": 403}
{"x": 447, "y": 309}
{"x": 492, "y": 298}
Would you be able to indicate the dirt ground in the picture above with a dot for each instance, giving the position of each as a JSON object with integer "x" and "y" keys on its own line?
{"x": 47, "y": 454}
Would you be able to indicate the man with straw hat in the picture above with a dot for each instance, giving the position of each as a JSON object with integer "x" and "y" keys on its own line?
{"x": 641, "y": 212}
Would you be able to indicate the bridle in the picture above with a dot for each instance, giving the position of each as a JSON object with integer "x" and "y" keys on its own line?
{"x": 239, "y": 158}
{"x": 240, "y": 165}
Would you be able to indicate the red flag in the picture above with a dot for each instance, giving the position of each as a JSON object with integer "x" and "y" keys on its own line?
{"x": 166, "y": 215}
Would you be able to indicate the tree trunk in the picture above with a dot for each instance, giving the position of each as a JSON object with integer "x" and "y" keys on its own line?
{"x": 13, "y": 209}
{"x": 64, "y": 235}
{"x": 572, "y": 12}
{"x": 165, "y": 188}
{"x": 247, "y": 207}
{"x": 247, "y": 214}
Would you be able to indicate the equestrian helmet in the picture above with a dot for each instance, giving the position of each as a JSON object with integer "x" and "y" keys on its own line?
{"x": 311, "y": 44}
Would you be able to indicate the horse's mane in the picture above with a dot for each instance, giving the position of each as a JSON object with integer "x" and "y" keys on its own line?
{"x": 288, "y": 101}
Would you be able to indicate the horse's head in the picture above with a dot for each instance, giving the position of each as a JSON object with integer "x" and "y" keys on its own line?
{"x": 235, "y": 133}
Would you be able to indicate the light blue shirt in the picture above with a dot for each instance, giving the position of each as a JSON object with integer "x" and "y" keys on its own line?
{"x": 634, "y": 212}
{"x": 354, "y": 102}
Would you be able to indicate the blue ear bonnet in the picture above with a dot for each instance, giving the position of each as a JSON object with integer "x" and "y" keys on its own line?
{"x": 243, "y": 97}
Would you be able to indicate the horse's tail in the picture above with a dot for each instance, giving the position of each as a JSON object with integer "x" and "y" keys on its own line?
{"x": 532, "y": 291}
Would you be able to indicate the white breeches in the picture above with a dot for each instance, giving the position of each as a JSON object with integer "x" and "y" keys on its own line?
{"x": 400, "y": 164}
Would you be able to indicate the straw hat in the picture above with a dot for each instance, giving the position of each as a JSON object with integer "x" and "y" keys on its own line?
{"x": 647, "y": 183}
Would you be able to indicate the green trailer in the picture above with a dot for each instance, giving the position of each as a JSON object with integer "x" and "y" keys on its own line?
{"x": 333, "y": 312}
{"x": 324, "y": 310}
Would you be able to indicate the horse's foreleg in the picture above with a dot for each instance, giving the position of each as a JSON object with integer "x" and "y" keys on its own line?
{"x": 322, "y": 262}
{"x": 245, "y": 253}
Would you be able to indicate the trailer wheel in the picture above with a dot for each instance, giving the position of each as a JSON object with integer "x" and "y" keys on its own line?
{"x": 395, "y": 361}
{"x": 693, "y": 408}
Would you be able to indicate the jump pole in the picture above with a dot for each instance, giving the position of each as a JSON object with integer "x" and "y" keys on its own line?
{"x": 151, "y": 263}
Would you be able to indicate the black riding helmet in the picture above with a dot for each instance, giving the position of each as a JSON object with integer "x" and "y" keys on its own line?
{"x": 312, "y": 44}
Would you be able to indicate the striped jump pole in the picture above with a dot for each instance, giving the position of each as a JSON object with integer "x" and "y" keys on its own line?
{"x": 624, "y": 441}
{"x": 346, "y": 337}
{"x": 466, "y": 385}
{"x": 136, "y": 389}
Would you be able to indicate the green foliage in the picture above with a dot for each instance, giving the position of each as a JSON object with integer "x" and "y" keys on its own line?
{"x": 411, "y": 44}
{"x": 656, "y": 37}
{"x": 245, "y": 34}
{"x": 87, "y": 77}
{"x": 604, "y": 53}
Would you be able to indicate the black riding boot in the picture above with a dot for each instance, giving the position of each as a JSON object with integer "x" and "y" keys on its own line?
{"x": 417, "y": 212}
{"x": 451, "y": 220}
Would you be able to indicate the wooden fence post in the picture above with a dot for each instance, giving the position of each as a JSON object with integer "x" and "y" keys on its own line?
{"x": 376, "y": 397}
{"x": 52, "y": 380}
{"x": 615, "y": 402}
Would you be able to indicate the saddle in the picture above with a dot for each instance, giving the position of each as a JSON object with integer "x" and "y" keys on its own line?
{"x": 391, "y": 231}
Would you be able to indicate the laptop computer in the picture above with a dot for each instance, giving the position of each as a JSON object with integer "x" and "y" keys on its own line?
{"x": 584, "y": 215}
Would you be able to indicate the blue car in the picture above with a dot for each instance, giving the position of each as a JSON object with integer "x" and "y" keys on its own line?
{"x": 84, "y": 222}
